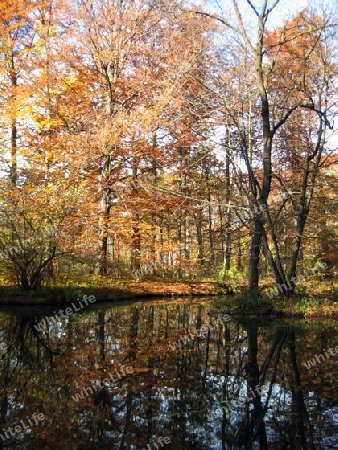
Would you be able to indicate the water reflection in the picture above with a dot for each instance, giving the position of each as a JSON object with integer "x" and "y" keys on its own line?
{"x": 110, "y": 378}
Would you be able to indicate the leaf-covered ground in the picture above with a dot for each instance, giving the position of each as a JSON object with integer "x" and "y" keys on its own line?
{"x": 319, "y": 298}
{"x": 108, "y": 290}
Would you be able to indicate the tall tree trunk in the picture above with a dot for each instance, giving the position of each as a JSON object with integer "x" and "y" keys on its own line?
{"x": 256, "y": 240}
{"x": 14, "y": 130}
{"x": 136, "y": 236}
{"x": 211, "y": 233}
{"x": 199, "y": 237}
{"x": 105, "y": 215}
{"x": 227, "y": 252}
{"x": 305, "y": 199}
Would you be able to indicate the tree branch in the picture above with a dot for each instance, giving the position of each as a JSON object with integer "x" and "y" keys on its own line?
{"x": 217, "y": 18}
{"x": 253, "y": 7}
{"x": 241, "y": 26}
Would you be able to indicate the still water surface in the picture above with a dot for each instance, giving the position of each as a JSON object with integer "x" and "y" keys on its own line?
{"x": 116, "y": 377}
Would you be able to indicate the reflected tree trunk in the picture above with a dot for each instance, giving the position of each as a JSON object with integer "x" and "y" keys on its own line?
{"x": 133, "y": 332}
{"x": 226, "y": 343}
{"x": 299, "y": 412}
{"x": 101, "y": 336}
{"x": 257, "y": 414}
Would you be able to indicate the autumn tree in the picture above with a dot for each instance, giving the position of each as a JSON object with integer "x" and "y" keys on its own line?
{"x": 135, "y": 63}
{"x": 291, "y": 73}
{"x": 32, "y": 220}
{"x": 16, "y": 40}
{"x": 305, "y": 124}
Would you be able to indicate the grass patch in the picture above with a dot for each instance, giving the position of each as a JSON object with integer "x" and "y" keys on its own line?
{"x": 247, "y": 303}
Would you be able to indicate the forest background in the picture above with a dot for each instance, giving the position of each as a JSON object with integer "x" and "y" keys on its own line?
{"x": 164, "y": 139}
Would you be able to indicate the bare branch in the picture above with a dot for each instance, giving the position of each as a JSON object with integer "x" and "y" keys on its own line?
{"x": 285, "y": 118}
{"x": 241, "y": 26}
{"x": 217, "y": 18}
{"x": 263, "y": 15}
{"x": 253, "y": 7}
{"x": 272, "y": 7}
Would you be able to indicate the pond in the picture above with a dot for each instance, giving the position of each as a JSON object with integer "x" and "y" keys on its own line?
{"x": 165, "y": 375}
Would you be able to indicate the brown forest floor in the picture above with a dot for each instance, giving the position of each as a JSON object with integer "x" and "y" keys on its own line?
{"x": 315, "y": 298}
{"x": 105, "y": 290}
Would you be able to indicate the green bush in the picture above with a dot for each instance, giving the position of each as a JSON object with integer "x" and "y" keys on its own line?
{"x": 232, "y": 277}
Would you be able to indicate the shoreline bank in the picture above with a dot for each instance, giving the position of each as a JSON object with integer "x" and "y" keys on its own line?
{"x": 241, "y": 304}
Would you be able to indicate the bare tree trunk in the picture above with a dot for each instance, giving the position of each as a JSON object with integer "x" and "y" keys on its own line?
{"x": 267, "y": 166}
{"x": 211, "y": 232}
{"x": 199, "y": 237}
{"x": 14, "y": 131}
{"x": 227, "y": 253}
{"x": 105, "y": 215}
{"x": 136, "y": 236}
{"x": 305, "y": 200}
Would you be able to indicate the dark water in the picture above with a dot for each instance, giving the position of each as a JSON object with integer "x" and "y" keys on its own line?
{"x": 244, "y": 384}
